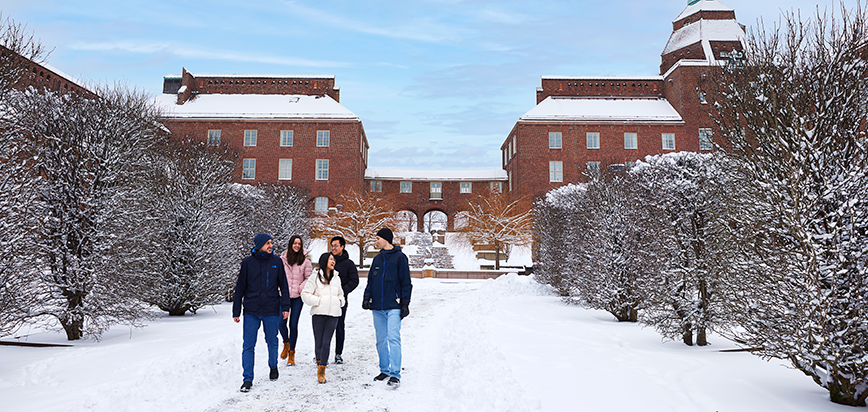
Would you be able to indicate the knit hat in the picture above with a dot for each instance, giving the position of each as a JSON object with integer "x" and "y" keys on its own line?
{"x": 386, "y": 234}
{"x": 259, "y": 241}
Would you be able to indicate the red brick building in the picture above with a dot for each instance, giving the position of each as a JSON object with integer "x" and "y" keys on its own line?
{"x": 287, "y": 129}
{"x": 584, "y": 123}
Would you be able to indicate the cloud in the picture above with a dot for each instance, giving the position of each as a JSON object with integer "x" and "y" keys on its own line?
{"x": 193, "y": 52}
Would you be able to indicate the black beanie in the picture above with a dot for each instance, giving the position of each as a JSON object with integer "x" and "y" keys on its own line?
{"x": 385, "y": 233}
{"x": 259, "y": 241}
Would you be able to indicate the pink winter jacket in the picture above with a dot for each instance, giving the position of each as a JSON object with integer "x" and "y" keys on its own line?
{"x": 296, "y": 275}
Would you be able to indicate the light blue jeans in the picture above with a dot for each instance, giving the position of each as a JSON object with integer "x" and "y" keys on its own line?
{"x": 387, "y": 326}
{"x": 251, "y": 328}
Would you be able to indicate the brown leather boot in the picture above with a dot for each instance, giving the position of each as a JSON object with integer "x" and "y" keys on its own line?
{"x": 320, "y": 373}
{"x": 290, "y": 357}
{"x": 285, "y": 350}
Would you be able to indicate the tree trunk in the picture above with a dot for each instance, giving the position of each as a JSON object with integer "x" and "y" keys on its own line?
{"x": 687, "y": 334}
{"x": 701, "y": 339}
{"x": 496, "y": 255}
{"x": 361, "y": 254}
{"x": 72, "y": 322}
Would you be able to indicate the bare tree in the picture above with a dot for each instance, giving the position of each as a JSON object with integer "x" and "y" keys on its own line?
{"x": 494, "y": 219}
{"x": 359, "y": 219}
{"x": 792, "y": 114}
{"x": 83, "y": 155}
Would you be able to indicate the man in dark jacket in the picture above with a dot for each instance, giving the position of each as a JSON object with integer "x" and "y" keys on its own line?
{"x": 264, "y": 293}
{"x": 387, "y": 294}
{"x": 349, "y": 280}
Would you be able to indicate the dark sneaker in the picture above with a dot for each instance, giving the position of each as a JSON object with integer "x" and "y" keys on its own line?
{"x": 245, "y": 387}
{"x": 273, "y": 375}
{"x": 394, "y": 382}
{"x": 338, "y": 360}
{"x": 381, "y": 377}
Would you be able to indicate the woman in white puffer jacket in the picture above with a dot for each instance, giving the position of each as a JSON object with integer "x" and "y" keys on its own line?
{"x": 326, "y": 298}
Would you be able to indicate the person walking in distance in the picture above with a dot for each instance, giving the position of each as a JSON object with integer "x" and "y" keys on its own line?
{"x": 324, "y": 295}
{"x": 263, "y": 292}
{"x": 387, "y": 295}
{"x": 349, "y": 281}
{"x": 298, "y": 269}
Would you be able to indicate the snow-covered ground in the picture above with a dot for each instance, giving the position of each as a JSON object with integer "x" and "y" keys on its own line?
{"x": 494, "y": 345}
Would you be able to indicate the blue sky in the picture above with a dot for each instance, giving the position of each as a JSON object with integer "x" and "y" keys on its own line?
{"x": 438, "y": 84}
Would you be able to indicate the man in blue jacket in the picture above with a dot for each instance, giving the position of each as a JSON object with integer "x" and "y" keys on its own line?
{"x": 387, "y": 295}
{"x": 264, "y": 293}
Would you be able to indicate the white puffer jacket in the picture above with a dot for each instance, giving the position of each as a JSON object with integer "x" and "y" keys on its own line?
{"x": 324, "y": 299}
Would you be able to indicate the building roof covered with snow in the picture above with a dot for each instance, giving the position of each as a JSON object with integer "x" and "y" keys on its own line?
{"x": 429, "y": 175}
{"x": 602, "y": 109}
{"x": 255, "y": 106}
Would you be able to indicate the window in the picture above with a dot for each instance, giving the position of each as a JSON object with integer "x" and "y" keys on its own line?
{"x": 321, "y": 205}
{"x": 250, "y": 137}
{"x": 705, "y": 142}
{"x": 248, "y": 169}
{"x": 593, "y": 167}
{"x": 630, "y": 141}
{"x": 436, "y": 190}
{"x": 406, "y": 187}
{"x": 629, "y": 165}
{"x": 286, "y": 138}
{"x": 593, "y": 139}
{"x": 514, "y": 146}
{"x": 497, "y": 187}
{"x": 668, "y": 141}
{"x": 555, "y": 140}
{"x": 510, "y": 180}
{"x": 322, "y": 138}
{"x": 285, "y": 169}
{"x": 465, "y": 187}
{"x": 322, "y": 169}
{"x": 376, "y": 186}
{"x": 214, "y": 137}
{"x": 556, "y": 171}
{"x": 702, "y": 99}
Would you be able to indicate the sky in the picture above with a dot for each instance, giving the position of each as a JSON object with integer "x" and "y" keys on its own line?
{"x": 438, "y": 84}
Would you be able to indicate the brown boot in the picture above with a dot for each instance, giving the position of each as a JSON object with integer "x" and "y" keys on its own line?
{"x": 290, "y": 357}
{"x": 320, "y": 373}
{"x": 285, "y": 350}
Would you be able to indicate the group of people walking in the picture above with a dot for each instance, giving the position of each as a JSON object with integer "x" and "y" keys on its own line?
{"x": 272, "y": 291}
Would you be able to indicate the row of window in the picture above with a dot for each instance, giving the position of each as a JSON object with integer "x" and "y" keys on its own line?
{"x": 286, "y": 137}
{"x": 556, "y": 169}
{"x": 631, "y": 141}
{"x": 248, "y": 169}
{"x": 436, "y": 187}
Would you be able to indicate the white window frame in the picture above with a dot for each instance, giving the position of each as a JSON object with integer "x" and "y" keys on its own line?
{"x": 286, "y": 138}
{"x": 496, "y": 187}
{"x": 322, "y": 138}
{"x": 631, "y": 140}
{"x": 705, "y": 141}
{"x": 406, "y": 187}
{"x": 322, "y": 169}
{"x": 376, "y": 186}
{"x": 321, "y": 205}
{"x": 465, "y": 187}
{"x": 250, "y": 137}
{"x": 556, "y": 171}
{"x": 556, "y": 140}
{"x": 668, "y": 141}
{"x": 214, "y": 137}
{"x": 248, "y": 169}
{"x": 284, "y": 169}
{"x": 592, "y": 140}
{"x": 592, "y": 167}
{"x": 435, "y": 191}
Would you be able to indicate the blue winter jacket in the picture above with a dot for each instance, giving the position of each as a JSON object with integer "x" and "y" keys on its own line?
{"x": 389, "y": 280}
{"x": 261, "y": 286}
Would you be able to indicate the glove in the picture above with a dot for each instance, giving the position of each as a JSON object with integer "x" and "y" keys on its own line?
{"x": 405, "y": 310}
{"x": 366, "y": 304}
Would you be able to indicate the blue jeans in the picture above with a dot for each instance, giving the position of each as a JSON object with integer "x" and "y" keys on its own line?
{"x": 295, "y": 305}
{"x": 251, "y": 327}
{"x": 387, "y": 326}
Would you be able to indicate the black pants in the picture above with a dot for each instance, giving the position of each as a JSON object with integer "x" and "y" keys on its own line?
{"x": 323, "y": 330}
{"x": 340, "y": 332}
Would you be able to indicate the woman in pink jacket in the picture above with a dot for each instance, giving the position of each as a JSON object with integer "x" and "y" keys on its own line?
{"x": 298, "y": 268}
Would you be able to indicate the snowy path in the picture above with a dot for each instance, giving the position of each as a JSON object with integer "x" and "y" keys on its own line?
{"x": 497, "y": 345}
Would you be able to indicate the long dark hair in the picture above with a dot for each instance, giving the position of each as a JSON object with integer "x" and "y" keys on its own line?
{"x": 325, "y": 274}
{"x": 292, "y": 257}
